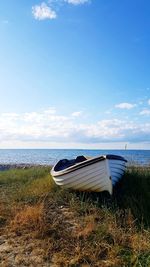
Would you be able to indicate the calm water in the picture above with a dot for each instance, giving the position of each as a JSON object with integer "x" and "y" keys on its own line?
{"x": 51, "y": 156}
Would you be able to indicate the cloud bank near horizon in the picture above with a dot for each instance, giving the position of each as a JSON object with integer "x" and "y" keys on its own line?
{"x": 48, "y": 126}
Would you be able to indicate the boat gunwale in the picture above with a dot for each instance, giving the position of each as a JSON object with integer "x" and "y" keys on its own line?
{"x": 85, "y": 163}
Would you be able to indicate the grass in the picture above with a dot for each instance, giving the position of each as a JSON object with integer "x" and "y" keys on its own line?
{"x": 79, "y": 229}
{"x": 134, "y": 193}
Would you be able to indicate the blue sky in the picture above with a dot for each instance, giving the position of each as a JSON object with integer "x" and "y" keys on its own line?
{"x": 75, "y": 74}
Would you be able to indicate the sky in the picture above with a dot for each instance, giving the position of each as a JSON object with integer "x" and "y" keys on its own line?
{"x": 75, "y": 74}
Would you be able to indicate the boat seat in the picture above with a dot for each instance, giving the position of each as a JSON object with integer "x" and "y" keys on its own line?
{"x": 65, "y": 163}
{"x": 80, "y": 159}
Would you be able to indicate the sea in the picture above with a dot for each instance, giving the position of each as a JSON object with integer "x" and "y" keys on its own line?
{"x": 51, "y": 156}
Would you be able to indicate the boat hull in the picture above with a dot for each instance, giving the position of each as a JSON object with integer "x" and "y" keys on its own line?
{"x": 95, "y": 174}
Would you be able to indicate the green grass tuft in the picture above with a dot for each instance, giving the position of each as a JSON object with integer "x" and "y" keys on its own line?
{"x": 133, "y": 193}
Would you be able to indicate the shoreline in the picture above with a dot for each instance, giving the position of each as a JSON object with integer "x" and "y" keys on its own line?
{"x": 9, "y": 166}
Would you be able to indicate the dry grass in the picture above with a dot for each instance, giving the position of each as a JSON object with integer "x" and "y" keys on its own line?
{"x": 28, "y": 218}
{"x": 77, "y": 229}
{"x": 96, "y": 240}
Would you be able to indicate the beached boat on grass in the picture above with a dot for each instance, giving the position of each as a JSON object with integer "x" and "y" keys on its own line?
{"x": 89, "y": 174}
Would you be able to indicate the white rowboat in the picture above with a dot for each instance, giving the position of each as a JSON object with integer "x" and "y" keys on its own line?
{"x": 89, "y": 174}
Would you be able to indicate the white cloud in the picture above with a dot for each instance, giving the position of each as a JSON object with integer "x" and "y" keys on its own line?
{"x": 125, "y": 105}
{"x": 50, "y": 110}
{"x": 76, "y": 113}
{"x": 77, "y": 2}
{"x": 43, "y": 11}
{"x": 47, "y": 10}
{"x": 48, "y": 126}
{"x": 145, "y": 112}
{"x": 149, "y": 102}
